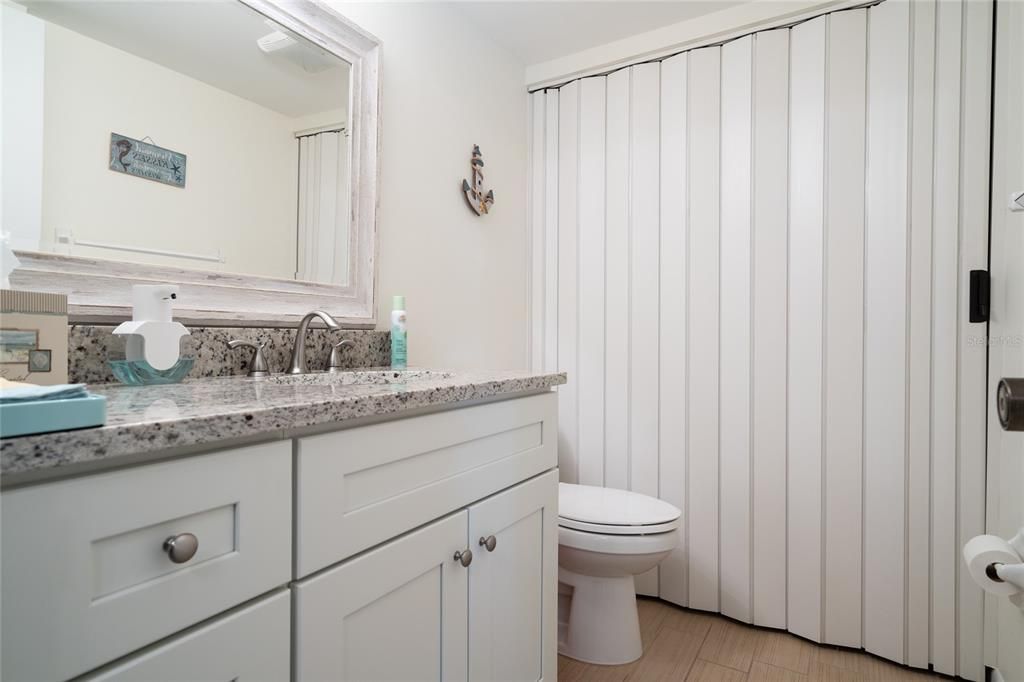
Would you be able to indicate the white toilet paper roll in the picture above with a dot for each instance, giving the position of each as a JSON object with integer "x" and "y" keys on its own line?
{"x": 982, "y": 551}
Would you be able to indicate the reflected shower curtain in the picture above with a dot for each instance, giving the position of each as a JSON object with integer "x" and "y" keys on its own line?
{"x": 323, "y": 244}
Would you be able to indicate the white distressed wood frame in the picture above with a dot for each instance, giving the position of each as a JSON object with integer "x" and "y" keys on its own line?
{"x": 99, "y": 290}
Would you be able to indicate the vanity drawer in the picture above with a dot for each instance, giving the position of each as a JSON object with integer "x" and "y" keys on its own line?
{"x": 251, "y": 644}
{"x": 359, "y": 487}
{"x": 86, "y": 578}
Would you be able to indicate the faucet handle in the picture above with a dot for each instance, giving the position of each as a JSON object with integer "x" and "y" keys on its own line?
{"x": 258, "y": 367}
{"x": 336, "y": 349}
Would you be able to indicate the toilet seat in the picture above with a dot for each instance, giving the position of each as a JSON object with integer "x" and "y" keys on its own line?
{"x": 616, "y": 544}
{"x": 608, "y": 511}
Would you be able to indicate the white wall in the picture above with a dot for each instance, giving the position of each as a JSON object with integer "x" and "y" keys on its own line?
{"x": 446, "y": 87}
{"x": 752, "y": 262}
{"x": 21, "y": 197}
{"x": 712, "y": 28}
{"x": 241, "y": 185}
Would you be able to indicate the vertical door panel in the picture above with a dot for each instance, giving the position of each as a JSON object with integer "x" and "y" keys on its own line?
{"x": 590, "y": 375}
{"x": 701, "y": 513}
{"x": 844, "y": 325}
{"x": 806, "y": 278}
{"x": 885, "y": 331}
{"x": 974, "y": 187}
{"x": 409, "y": 595}
{"x": 551, "y": 231}
{"x": 945, "y": 347}
{"x": 919, "y": 335}
{"x": 735, "y": 349}
{"x": 672, "y": 324}
{"x": 1004, "y": 622}
{"x": 568, "y": 227}
{"x": 512, "y": 623}
{"x": 616, "y": 425}
{"x": 643, "y": 291}
{"x": 770, "y": 272}
{"x": 538, "y": 191}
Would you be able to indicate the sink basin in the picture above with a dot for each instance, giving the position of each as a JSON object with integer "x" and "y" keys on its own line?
{"x": 358, "y": 376}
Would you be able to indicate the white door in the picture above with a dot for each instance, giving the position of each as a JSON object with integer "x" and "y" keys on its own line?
{"x": 397, "y": 612}
{"x": 513, "y": 583}
{"x": 1004, "y": 633}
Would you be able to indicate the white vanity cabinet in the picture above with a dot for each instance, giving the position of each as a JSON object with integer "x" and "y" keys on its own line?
{"x": 513, "y": 583}
{"x": 437, "y": 603}
{"x": 397, "y": 612}
{"x": 413, "y": 548}
{"x": 85, "y": 574}
{"x": 251, "y": 644}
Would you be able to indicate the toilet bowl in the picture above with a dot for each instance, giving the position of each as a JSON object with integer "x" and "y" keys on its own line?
{"x": 605, "y": 537}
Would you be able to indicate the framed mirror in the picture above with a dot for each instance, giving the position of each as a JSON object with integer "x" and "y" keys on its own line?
{"x": 227, "y": 146}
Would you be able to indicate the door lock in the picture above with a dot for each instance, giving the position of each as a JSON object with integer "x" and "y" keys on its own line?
{"x": 1010, "y": 404}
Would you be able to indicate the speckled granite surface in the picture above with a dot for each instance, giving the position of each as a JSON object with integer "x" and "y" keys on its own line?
{"x": 89, "y": 347}
{"x": 150, "y": 419}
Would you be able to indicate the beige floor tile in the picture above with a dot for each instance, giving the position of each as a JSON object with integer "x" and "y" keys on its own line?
{"x": 867, "y": 667}
{"x": 763, "y": 672}
{"x": 730, "y": 644}
{"x": 652, "y": 615}
{"x": 577, "y": 671}
{"x": 838, "y": 658}
{"x": 704, "y": 671}
{"x": 693, "y": 645}
{"x": 696, "y": 622}
{"x": 784, "y": 650}
{"x": 821, "y": 672}
{"x": 669, "y": 657}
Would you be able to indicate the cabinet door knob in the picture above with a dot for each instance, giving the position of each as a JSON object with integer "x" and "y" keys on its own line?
{"x": 181, "y": 547}
{"x": 489, "y": 542}
{"x": 465, "y": 557}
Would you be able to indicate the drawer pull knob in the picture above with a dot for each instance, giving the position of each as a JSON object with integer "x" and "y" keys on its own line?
{"x": 465, "y": 557}
{"x": 489, "y": 542}
{"x": 181, "y": 547}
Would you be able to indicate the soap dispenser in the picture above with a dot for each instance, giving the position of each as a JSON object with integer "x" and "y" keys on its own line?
{"x": 152, "y": 338}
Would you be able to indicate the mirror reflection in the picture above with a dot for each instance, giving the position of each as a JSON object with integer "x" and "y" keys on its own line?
{"x": 196, "y": 135}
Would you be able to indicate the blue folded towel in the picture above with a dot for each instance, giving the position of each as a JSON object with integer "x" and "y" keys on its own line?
{"x": 18, "y": 394}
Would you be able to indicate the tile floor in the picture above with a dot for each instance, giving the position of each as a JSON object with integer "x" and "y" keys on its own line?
{"x": 703, "y": 647}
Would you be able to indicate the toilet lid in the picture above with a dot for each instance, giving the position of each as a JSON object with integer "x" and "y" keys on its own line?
{"x": 608, "y": 510}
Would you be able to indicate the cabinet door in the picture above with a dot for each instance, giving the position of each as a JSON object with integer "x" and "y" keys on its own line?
{"x": 397, "y": 612}
{"x": 513, "y": 588}
{"x": 248, "y": 645}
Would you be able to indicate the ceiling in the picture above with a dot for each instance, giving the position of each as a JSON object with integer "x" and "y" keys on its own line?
{"x": 213, "y": 41}
{"x": 537, "y": 31}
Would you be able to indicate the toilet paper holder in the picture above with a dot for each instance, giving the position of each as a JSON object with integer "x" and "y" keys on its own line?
{"x": 1010, "y": 573}
{"x": 997, "y": 565}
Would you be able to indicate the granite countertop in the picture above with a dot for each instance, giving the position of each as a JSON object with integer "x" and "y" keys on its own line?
{"x": 155, "y": 419}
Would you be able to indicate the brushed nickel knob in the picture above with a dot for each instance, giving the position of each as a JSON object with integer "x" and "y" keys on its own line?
{"x": 181, "y": 547}
{"x": 465, "y": 557}
{"x": 489, "y": 542}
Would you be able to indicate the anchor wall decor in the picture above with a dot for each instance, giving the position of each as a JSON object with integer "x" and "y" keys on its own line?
{"x": 475, "y": 196}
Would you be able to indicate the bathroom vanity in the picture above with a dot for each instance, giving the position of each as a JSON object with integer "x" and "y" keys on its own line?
{"x": 357, "y": 525}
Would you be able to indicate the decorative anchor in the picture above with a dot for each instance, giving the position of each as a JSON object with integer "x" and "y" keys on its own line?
{"x": 478, "y": 201}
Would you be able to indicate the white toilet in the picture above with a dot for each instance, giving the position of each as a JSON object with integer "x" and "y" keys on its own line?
{"x": 605, "y": 537}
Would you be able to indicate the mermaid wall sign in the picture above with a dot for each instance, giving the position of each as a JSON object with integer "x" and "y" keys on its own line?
{"x": 479, "y": 200}
{"x": 145, "y": 160}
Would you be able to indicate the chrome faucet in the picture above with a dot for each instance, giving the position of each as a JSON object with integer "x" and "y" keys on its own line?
{"x": 298, "y": 363}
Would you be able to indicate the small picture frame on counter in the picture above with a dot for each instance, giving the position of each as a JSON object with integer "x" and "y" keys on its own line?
{"x": 33, "y": 337}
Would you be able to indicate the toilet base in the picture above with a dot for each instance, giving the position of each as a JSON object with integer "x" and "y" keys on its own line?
{"x": 602, "y": 624}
